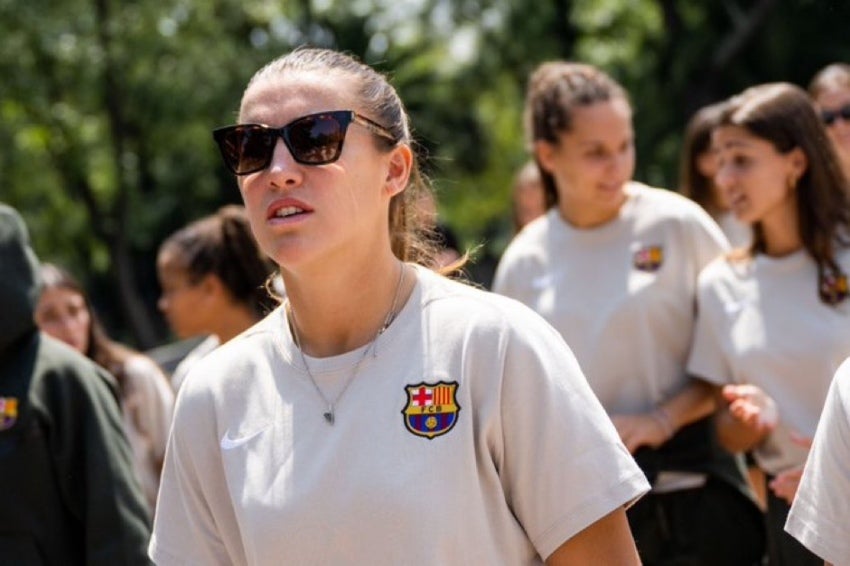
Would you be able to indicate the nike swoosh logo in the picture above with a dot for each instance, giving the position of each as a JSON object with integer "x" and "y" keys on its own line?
{"x": 229, "y": 442}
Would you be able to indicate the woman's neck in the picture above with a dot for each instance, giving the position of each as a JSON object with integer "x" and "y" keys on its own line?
{"x": 232, "y": 321}
{"x": 782, "y": 233}
{"x": 341, "y": 308}
{"x": 585, "y": 216}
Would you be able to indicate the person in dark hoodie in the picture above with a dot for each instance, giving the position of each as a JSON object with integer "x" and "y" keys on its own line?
{"x": 68, "y": 494}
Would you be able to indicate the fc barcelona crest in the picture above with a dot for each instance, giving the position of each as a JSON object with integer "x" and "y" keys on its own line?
{"x": 431, "y": 409}
{"x": 649, "y": 258}
{"x": 8, "y": 412}
{"x": 833, "y": 288}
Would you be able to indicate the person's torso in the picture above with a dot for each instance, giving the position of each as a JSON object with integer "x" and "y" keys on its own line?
{"x": 778, "y": 335}
{"x": 622, "y": 296}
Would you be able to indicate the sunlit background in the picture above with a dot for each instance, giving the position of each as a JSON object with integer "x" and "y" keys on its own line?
{"x": 106, "y": 106}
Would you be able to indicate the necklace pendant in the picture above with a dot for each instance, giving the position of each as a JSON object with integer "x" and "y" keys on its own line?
{"x": 329, "y": 416}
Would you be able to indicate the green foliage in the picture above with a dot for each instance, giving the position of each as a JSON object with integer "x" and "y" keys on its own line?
{"x": 106, "y": 107}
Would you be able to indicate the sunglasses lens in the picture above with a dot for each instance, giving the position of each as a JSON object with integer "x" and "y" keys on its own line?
{"x": 312, "y": 140}
{"x": 246, "y": 149}
{"x": 317, "y": 139}
{"x": 831, "y": 116}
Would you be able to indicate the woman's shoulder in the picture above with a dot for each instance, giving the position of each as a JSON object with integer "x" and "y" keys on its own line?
{"x": 464, "y": 304}
{"x": 229, "y": 365}
{"x": 140, "y": 366}
{"x": 724, "y": 267}
{"x": 665, "y": 202}
{"x": 535, "y": 232}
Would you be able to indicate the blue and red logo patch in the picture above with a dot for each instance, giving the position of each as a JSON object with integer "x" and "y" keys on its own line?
{"x": 648, "y": 258}
{"x": 431, "y": 409}
{"x": 8, "y": 412}
{"x": 833, "y": 288}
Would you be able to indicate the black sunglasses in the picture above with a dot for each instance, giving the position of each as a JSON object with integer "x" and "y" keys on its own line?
{"x": 830, "y": 116}
{"x": 315, "y": 139}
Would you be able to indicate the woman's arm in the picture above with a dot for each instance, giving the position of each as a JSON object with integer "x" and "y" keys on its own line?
{"x": 607, "y": 541}
{"x": 653, "y": 429}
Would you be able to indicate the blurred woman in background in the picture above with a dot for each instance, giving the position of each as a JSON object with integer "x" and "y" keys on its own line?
{"x": 697, "y": 167}
{"x": 213, "y": 278}
{"x": 774, "y": 319}
{"x": 64, "y": 312}
{"x": 830, "y": 89}
{"x": 613, "y": 267}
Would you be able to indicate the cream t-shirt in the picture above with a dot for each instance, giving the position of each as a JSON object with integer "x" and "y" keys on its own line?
{"x": 762, "y": 322}
{"x": 147, "y": 405}
{"x": 622, "y": 295}
{"x": 469, "y": 436}
{"x": 820, "y": 515}
{"x": 206, "y": 346}
{"x": 739, "y": 234}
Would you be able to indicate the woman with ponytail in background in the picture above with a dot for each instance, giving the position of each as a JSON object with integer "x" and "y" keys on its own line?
{"x": 213, "y": 277}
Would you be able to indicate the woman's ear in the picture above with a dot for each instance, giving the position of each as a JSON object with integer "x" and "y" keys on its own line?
{"x": 799, "y": 162}
{"x": 544, "y": 152}
{"x": 399, "y": 167}
{"x": 211, "y": 285}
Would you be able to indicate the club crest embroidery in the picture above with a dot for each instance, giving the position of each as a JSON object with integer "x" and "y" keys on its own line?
{"x": 649, "y": 258}
{"x": 833, "y": 288}
{"x": 8, "y": 412}
{"x": 431, "y": 409}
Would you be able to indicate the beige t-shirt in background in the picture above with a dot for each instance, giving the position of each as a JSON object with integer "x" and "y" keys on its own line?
{"x": 147, "y": 404}
{"x": 762, "y": 322}
{"x": 622, "y": 295}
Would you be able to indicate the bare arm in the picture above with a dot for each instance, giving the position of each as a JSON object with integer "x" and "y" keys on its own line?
{"x": 607, "y": 541}
{"x": 653, "y": 429}
{"x": 694, "y": 402}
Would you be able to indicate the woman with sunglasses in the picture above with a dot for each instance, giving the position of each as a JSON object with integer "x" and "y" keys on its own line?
{"x": 384, "y": 413}
{"x": 774, "y": 319}
{"x": 213, "y": 277}
{"x": 613, "y": 266}
{"x": 830, "y": 89}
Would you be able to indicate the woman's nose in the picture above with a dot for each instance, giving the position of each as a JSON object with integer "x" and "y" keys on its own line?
{"x": 283, "y": 166}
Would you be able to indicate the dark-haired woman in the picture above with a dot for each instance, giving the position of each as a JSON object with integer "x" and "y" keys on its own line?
{"x": 830, "y": 90}
{"x": 213, "y": 277}
{"x": 774, "y": 320}
{"x": 697, "y": 168}
{"x": 613, "y": 267}
{"x": 64, "y": 311}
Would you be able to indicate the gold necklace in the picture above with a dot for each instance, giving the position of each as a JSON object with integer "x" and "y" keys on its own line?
{"x": 331, "y": 405}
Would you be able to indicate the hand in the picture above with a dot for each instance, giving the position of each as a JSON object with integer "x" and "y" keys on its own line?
{"x": 640, "y": 430}
{"x": 752, "y": 407}
{"x": 785, "y": 483}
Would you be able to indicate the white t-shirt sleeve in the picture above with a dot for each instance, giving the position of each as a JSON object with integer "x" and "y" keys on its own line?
{"x": 194, "y": 522}
{"x": 820, "y": 516}
{"x": 707, "y": 359}
{"x": 708, "y": 240}
{"x": 563, "y": 465}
